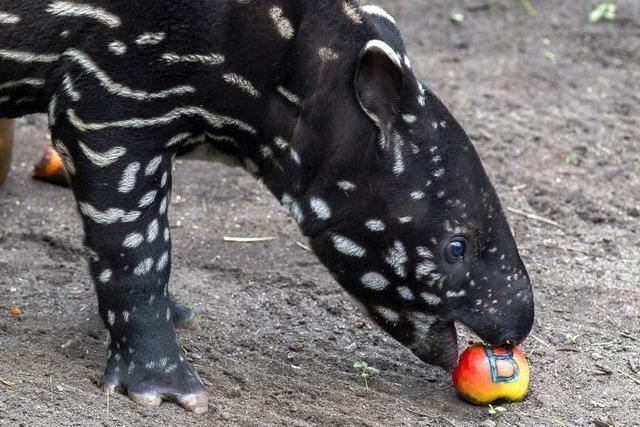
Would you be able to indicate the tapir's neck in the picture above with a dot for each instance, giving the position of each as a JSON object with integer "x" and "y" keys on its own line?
{"x": 314, "y": 129}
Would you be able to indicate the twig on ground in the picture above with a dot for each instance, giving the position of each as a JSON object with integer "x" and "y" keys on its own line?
{"x": 411, "y": 411}
{"x": 7, "y": 382}
{"x": 626, "y": 335}
{"x": 535, "y": 217}
{"x": 540, "y": 341}
{"x": 631, "y": 377}
{"x": 603, "y": 370}
{"x": 303, "y": 246}
{"x": 249, "y": 239}
{"x": 568, "y": 349}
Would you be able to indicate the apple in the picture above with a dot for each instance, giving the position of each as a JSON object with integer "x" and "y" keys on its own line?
{"x": 485, "y": 374}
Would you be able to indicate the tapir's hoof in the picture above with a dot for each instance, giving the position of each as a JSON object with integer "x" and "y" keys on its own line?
{"x": 154, "y": 382}
{"x": 183, "y": 316}
{"x": 50, "y": 169}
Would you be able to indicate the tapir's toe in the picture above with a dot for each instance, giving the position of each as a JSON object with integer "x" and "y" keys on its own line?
{"x": 196, "y": 402}
{"x": 146, "y": 399}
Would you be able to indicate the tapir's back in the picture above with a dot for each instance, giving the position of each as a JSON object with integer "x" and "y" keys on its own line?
{"x": 133, "y": 43}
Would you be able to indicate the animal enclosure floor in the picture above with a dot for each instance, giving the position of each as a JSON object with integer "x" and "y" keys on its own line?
{"x": 551, "y": 102}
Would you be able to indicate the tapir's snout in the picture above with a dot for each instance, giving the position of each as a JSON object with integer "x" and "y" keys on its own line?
{"x": 508, "y": 319}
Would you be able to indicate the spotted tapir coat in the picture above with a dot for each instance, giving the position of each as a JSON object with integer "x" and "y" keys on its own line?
{"x": 315, "y": 97}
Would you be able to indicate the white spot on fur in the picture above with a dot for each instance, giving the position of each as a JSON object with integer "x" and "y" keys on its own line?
{"x": 406, "y": 293}
{"x": 409, "y": 118}
{"x": 66, "y": 8}
{"x": 351, "y": 12}
{"x": 430, "y": 299}
{"x": 26, "y": 57}
{"x": 111, "y": 317}
{"x": 398, "y": 164}
{"x": 346, "y": 186}
{"x": 152, "y": 166}
{"x": 397, "y": 258}
{"x": 417, "y": 195}
{"x": 327, "y": 54}
{"x": 125, "y": 316}
{"x": 405, "y": 219}
{"x": 208, "y": 58}
{"x": 128, "y": 180}
{"x": 147, "y": 39}
{"x": 375, "y": 225}
{"x": 422, "y": 96}
{"x": 133, "y": 240}
{"x": 117, "y": 48}
{"x": 347, "y": 246}
{"x": 152, "y": 231}
{"x": 294, "y": 208}
{"x": 424, "y": 252}
{"x": 105, "y": 276}
{"x": 163, "y": 261}
{"x": 147, "y": 199}
{"x": 374, "y": 281}
{"x": 424, "y": 269}
{"x": 102, "y": 159}
{"x": 283, "y": 25}
{"x": 242, "y": 83}
{"x": 9, "y": 18}
{"x": 163, "y": 206}
{"x": 143, "y": 267}
{"x": 166, "y": 234}
{"x": 289, "y": 96}
{"x": 320, "y": 208}
{"x": 388, "y": 315}
{"x": 459, "y": 294}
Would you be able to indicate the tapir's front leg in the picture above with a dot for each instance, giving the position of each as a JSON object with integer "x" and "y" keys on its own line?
{"x": 122, "y": 184}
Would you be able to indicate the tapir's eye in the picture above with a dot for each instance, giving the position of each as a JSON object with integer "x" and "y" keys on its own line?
{"x": 456, "y": 248}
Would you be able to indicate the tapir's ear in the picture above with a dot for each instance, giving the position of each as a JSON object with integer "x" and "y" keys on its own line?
{"x": 378, "y": 82}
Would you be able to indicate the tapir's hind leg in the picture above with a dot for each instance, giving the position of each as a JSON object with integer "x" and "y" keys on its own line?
{"x": 122, "y": 190}
{"x": 6, "y": 146}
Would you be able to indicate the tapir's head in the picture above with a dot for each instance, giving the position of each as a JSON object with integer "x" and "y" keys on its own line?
{"x": 404, "y": 216}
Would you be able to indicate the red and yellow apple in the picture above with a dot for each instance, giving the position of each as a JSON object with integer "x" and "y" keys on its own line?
{"x": 50, "y": 168}
{"x": 485, "y": 374}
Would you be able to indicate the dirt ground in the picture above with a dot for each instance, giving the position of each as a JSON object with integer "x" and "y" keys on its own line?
{"x": 551, "y": 102}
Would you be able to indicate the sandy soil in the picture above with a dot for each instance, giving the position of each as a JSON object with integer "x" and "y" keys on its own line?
{"x": 559, "y": 136}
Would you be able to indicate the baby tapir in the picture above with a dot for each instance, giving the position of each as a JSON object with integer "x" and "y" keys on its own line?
{"x": 315, "y": 97}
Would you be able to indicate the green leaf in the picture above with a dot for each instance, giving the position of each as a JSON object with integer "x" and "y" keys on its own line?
{"x": 568, "y": 159}
{"x": 572, "y": 338}
{"x": 549, "y": 55}
{"x": 373, "y": 370}
{"x": 603, "y": 11}
{"x": 360, "y": 365}
{"x": 457, "y": 17}
{"x": 197, "y": 317}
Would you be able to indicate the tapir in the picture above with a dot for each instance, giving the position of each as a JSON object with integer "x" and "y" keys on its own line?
{"x": 319, "y": 100}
